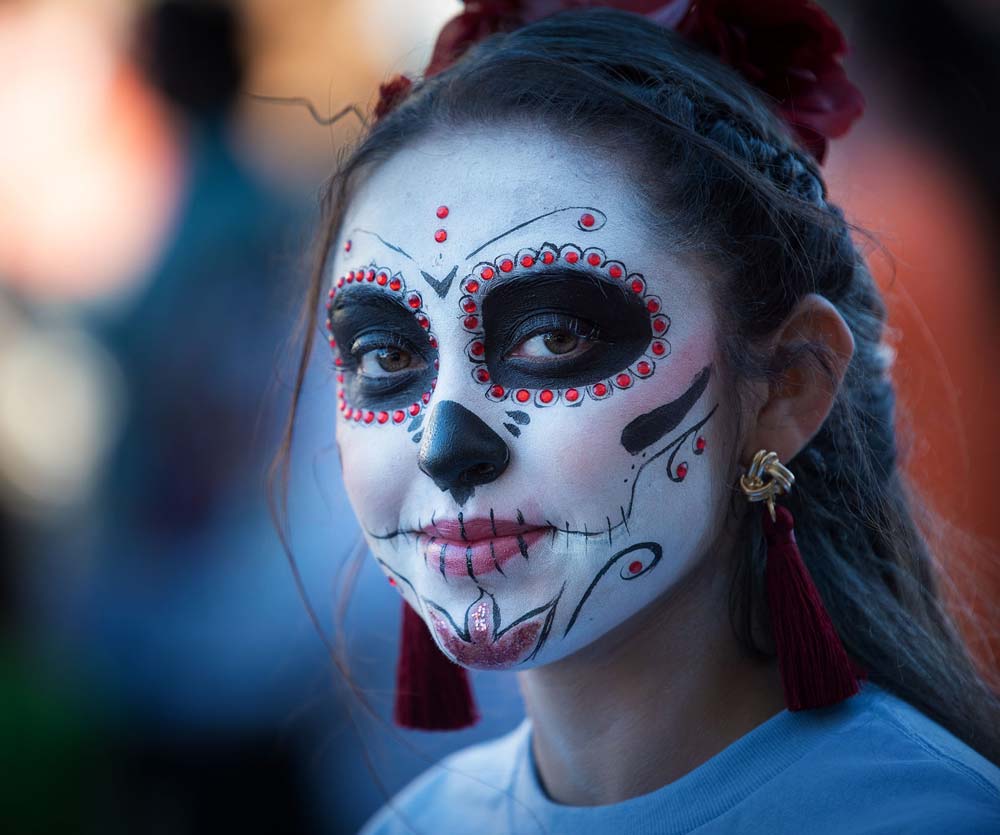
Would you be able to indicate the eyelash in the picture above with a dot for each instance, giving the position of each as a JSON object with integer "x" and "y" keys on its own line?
{"x": 549, "y": 322}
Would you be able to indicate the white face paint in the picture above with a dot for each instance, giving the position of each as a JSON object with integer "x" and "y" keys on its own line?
{"x": 530, "y": 425}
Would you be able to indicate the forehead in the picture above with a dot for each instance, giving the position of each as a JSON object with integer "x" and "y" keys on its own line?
{"x": 490, "y": 181}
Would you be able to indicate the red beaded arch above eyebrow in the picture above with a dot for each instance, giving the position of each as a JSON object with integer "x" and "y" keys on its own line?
{"x": 394, "y": 285}
{"x": 591, "y": 259}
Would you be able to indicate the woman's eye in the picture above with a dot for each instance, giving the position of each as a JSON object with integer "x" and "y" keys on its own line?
{"x": 552, "y": 343}
{"x": 382, "y": 362}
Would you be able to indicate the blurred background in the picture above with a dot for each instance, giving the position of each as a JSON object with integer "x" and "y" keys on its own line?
{"x": 159, "y": 672}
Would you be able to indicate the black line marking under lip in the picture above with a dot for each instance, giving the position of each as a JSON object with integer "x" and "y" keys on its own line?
{"x": 520, "y": 517}
{"x": 522, "y": 546}
{"x": 493, "y": 524}
{"x": 496, "y": 565}
{"x": 461, "y": 527}
{"x": 444, "y": 547}
{"x": 468, "y": 561}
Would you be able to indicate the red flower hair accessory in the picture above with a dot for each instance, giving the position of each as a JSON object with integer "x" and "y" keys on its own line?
{"x": 789, "y": 49}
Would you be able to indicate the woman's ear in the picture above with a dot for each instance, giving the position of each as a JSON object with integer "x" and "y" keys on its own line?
{"x": 797, "y": 402}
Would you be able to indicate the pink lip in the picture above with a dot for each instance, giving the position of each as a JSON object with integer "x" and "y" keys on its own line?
{"x": 480, "y": 549}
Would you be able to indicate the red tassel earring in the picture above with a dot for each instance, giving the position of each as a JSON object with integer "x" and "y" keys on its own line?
{"x": 432, "y": 692}
{"x": 815, "y": 668}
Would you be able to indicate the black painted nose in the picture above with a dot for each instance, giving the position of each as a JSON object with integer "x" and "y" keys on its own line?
{"x": 459, "y": 451}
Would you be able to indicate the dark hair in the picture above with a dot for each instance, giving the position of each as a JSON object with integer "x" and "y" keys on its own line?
{"x": 722, "y": 177}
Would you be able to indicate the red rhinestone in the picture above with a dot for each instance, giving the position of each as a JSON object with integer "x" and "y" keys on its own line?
{"x": 370, "y": 275}
{"x": 635, "y": 567}
{"x": 432, "y": 340}
{"x": 546, "y": 396}
{"x": 572, "y": 257}
{"x": 477, "y": 349}
{"x": 350, "y": 277}
{"x": 487, "y": 273}
{"x": 659, "y": 325}
{"x": 637, "y": 286}
{"x": 413, "y": 301}
{"x": 527, "y": 261}
{"x": 340, "y": 379}
{"x": 615, "y": 271}
{"x": 482, "y": 375}
{"x": 340, "y": 281}
{"x": 398, "y": 416}
{"x": 440, "y": 236}
{"x": 357, "y": 415}
{"x": 471, "y": 286}
{"x": 506, "y": 265}
{"x": 347, "y": 246}
{"x": 338, "y": 361}
{"x": 497, "y": 391}
{"x": 331, "y": 294}
{"x": 700, "y": 445}
{"x": 548, "y": 257}
{"x": 572, "y": 395}
{"x": 522, "y": 396}
{"x": 423, "y": 321}
{"x": 643, "y": 367}
{"x": 395, "y": 284}
{"x": 593, "y": 259}
{"x": 414, "y": 408}
{"x": 600, "y": 389}
{"x": 392, "y": 581}
{"x": 623, "y": 380}
{"x": 469, "y": 306}
{"x": 653, "y": 306}
{"x": 381, "y": 279}
{"x": 442, "y": 212}
{"x": 587, "y": 219}
{"x": 471, "y": 322}
{"x": 369, "y": 417}
{"x": 426, "y": 397}
{"x": 659, "y": 349}
{"x": 682, "y": 470}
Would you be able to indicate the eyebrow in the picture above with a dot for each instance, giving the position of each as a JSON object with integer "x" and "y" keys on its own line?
{"x": 600, "y": 219}
{"x": 383, "y": 241}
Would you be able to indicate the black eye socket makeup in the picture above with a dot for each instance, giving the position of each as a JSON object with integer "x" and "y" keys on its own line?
{"x": 385, "y": 357}
{"x": 561, "y": 327}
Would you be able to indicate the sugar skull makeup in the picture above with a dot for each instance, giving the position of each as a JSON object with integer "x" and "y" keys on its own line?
{"x": 529, "y": 419}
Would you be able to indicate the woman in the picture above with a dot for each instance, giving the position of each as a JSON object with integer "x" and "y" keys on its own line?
{"x": 591, "y": 315}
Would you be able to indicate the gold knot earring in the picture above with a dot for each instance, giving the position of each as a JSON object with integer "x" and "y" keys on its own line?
{"x": 779, "y": 479}
{"x": 815, "y": 668}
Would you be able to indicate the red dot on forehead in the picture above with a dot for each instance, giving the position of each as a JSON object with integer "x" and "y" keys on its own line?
{"x": 593, "y": 259}
{"x": 440, "y": 236}
{"x": 587, "y": 219}
{"x": 442, "y": 212}
{"x": 522, "y": 396}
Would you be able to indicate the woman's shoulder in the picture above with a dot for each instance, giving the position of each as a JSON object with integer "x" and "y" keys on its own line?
{"x": 894, "y": 769}
{"x": 472, "y": 781}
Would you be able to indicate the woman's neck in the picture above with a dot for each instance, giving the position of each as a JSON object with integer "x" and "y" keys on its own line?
{"x": 649, "y": 701}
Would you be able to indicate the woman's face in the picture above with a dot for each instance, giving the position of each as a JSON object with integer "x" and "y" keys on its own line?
{"x": 531, "y": 423}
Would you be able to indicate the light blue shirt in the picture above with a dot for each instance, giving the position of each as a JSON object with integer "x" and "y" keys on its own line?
{"x": 872, "y": 764}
